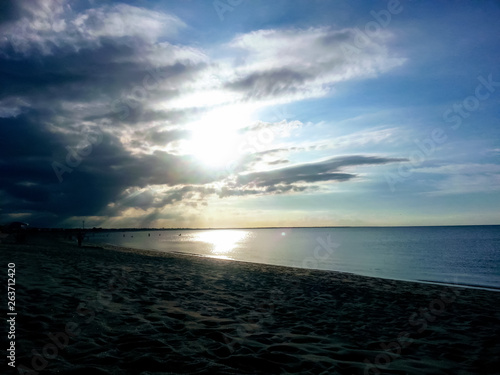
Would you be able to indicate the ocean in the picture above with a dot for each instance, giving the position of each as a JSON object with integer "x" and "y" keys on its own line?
{"x": 465, "y": 255}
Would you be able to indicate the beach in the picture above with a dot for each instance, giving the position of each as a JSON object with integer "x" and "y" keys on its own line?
{"x": 110, "y": 310}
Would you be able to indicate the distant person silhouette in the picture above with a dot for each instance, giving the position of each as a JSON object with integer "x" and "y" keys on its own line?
{"x": 79, "y": 237}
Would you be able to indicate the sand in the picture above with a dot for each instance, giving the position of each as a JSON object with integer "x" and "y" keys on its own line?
{"x": 95, "y": 310}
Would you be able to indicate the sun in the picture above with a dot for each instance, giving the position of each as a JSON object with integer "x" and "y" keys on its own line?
{"x": 215, "y": 140}
{"x": 214, "y": 148}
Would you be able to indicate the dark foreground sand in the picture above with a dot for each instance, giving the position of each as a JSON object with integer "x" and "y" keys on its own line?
{"x": 115, "y": 311}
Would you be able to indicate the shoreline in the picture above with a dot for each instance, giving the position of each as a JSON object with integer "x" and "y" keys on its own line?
{"x": 137, "y": 311}
{"x": 153, "y": 253}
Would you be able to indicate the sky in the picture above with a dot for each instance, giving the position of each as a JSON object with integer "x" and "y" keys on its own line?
{"x": 249, "y": 113}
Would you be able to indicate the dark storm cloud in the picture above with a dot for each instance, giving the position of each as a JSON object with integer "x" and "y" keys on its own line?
{"x": 312, "y": 172}
{"x": 26, "y": 136}
{"x": 62, "y": 70}
{"x": 132, "y": 112}
{"x": 91, "y": 75}
{"x": 9, "y": 11}
{"x": 68, "y": 72}
{"x": 29, "y": 183}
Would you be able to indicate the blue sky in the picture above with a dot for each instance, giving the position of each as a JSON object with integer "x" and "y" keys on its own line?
{"x": 250, "y": 113}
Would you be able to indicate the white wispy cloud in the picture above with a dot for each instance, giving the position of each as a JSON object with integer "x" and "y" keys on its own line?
{"x": 366, "y": 137}
{"x": 305, "y": 62}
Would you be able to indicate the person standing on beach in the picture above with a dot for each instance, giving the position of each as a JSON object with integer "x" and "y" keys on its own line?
{"x": 79, "y": 237}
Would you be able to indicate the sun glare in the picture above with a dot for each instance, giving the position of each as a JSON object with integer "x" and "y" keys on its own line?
{"x": 214, "y": 148}
{"x": 215, "y": 140}
{"x": 223, "y": 242}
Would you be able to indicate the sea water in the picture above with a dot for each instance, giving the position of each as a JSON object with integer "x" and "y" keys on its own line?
{"x": 467, "y": 255}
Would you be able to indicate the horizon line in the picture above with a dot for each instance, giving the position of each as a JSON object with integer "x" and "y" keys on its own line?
{"x": 269, "y": 227}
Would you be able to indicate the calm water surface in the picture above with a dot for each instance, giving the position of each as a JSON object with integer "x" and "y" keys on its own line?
{"x": 465, "y": 255}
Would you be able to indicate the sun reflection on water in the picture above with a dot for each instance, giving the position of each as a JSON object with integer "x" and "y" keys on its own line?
{"x": 222, "y": 242}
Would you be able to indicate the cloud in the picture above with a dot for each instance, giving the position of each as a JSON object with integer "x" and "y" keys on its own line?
{"x": 98, "y": 55}
{"x": 269, "y": 83}
{"x": 66, "y": 70}
{"x": 146, "y": 198}
{"x": 50, "y": 27}
{"x": 123, "y": 20}
{"x": 305, "y": 62}
{"x": 326, "y": 170}
{"x": 273, "y": 129}
{"x": 92, "y": 72}
{"x": 30, "y": 184}
{"x": 162, "y": 137}
{"x": 292, "y": 179}
{"x": 279, "y": 161}
{"x": 120, "y": 70}
{"x": 275, "y": 190}
{"x": 366, "y": 137}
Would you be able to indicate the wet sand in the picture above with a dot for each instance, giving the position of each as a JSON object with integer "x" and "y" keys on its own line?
{"x": 95, "y": 310}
